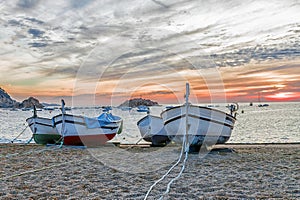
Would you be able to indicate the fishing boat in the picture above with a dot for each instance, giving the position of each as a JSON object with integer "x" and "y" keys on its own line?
{"x": 125, "y": 108}
{"x": 143, "y": 108}
{"x": 152, "y": 130}
{"x": 203, "y": 125}
{"x": 106, "y": 108}
{"x": 43, "y": 129}
{"x": 81, "y": 130}
{"x": 260, "y": 104}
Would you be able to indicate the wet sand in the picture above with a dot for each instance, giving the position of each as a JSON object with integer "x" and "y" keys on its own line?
{"x": 232, "y": 171}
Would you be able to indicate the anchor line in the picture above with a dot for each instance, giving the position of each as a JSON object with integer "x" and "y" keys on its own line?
{"x": 12, "y": 141}
{"x": 185, "y": 148}
{"x": 166, "y": 174}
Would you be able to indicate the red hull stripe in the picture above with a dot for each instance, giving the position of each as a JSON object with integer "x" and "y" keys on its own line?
{"x": 88, "y": 140}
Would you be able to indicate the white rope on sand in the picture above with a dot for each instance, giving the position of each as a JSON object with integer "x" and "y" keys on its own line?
{"x": 24, "y": 153}
{"x": 178, "y": 176}
{"x": 163, "y": 177}
{"x": 185, "y": 148}
{"x": 39, "y": 169}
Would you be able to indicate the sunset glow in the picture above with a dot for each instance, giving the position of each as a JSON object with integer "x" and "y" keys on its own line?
{"x": 284, "y": 96}
{"x": 58, "y": 50}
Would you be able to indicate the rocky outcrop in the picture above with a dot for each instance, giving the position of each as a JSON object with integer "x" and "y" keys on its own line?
{"x": 5, "y": 100}
{"x": 138, "y": 102}
{"x": 30, "y": 102}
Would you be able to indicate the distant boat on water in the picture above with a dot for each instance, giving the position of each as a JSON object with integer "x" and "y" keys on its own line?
{"x": 126, "y": 108}
{"x": 49, "y": 108}
{"x": 106, "y": 108}
{"x": 261, "y": 105}
{"x": 143, "y": 108}
{"x": 201, "y": 125}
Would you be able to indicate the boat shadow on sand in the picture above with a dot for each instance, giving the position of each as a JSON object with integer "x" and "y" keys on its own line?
{"x": 212, "y": 151}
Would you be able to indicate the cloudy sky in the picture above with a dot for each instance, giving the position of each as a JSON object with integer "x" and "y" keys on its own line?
{"x": 97, "y": 52}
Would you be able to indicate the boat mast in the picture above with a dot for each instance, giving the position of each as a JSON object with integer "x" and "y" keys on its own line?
{"x": 63, "y": 110}
{"x": 187, "y": 93}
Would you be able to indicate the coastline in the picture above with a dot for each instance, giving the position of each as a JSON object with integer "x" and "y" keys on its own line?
{"x": 251, "y": 171}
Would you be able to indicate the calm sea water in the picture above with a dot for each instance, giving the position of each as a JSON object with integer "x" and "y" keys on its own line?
{"x": 278, "y": 123}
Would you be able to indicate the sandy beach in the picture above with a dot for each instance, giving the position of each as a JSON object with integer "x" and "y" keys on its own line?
{"x": 232, "y": 171}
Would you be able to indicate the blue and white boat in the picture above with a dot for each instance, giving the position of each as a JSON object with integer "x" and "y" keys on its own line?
{"x": 143, "y": 108}
{"x": 81, "y": 130}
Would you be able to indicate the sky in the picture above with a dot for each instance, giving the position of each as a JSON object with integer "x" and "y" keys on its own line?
{"x": 104, "y": 52}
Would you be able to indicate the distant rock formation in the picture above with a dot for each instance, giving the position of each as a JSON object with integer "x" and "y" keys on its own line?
{"x": 30, "y": 102}
{"x": 5, "y": 100}
{"x": 138, "y": 102}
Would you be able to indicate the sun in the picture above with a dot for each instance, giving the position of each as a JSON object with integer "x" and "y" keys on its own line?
{"x": 282, "y": 96}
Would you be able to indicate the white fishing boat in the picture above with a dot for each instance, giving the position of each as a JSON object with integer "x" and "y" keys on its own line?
{"x": 43, "y": 129}
{"x": 152, "y": 130}
{"x": 81, "y": 130}
{"x": 202, "y": 126}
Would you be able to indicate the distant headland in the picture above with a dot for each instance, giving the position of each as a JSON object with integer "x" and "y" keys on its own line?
{"x": 7, "y": 102}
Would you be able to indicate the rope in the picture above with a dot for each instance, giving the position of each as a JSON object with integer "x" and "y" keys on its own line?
{"x": 178, "y": 161}
{"x": 26, "y": 153}
{"x": 37, "y": 170}
{"x": 19, "y": 134}
{"x": 185, "y": 147}
{"x": 177, "y": 177}
{"x": 29, "y": 140}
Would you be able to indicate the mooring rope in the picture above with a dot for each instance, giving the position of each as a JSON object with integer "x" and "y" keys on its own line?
{"x": 166, "y": 174}
{"x": 28, "y": 152}
{"x": 12, "y": 141}
{"x": 39, "y": 169}
{"x": 178, "y": 176}
{"x": 185, "y": 148}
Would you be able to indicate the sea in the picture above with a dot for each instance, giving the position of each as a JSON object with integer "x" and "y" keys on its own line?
{"x": 276, "y": 123}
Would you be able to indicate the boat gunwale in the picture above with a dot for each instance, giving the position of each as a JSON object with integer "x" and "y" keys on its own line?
{"x": 149, "y": 115}
{"x": 201, "y": 118}
{"x": 38, "y": 117}
{"x": 198, "y": 107}
{"x": 82, "y": 117}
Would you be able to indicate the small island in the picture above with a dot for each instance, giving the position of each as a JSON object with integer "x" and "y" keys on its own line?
{"x": 138, "y": 102}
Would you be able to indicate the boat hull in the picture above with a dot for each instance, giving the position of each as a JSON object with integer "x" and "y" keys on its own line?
{"x": 88, "y": 140}
{"x": 152, "y": 130}
{"x": 44, "y": 131}
{"x": 76, "y": 131}
{"x": 205, "y": 125}
{"x": 46, "y": 138}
